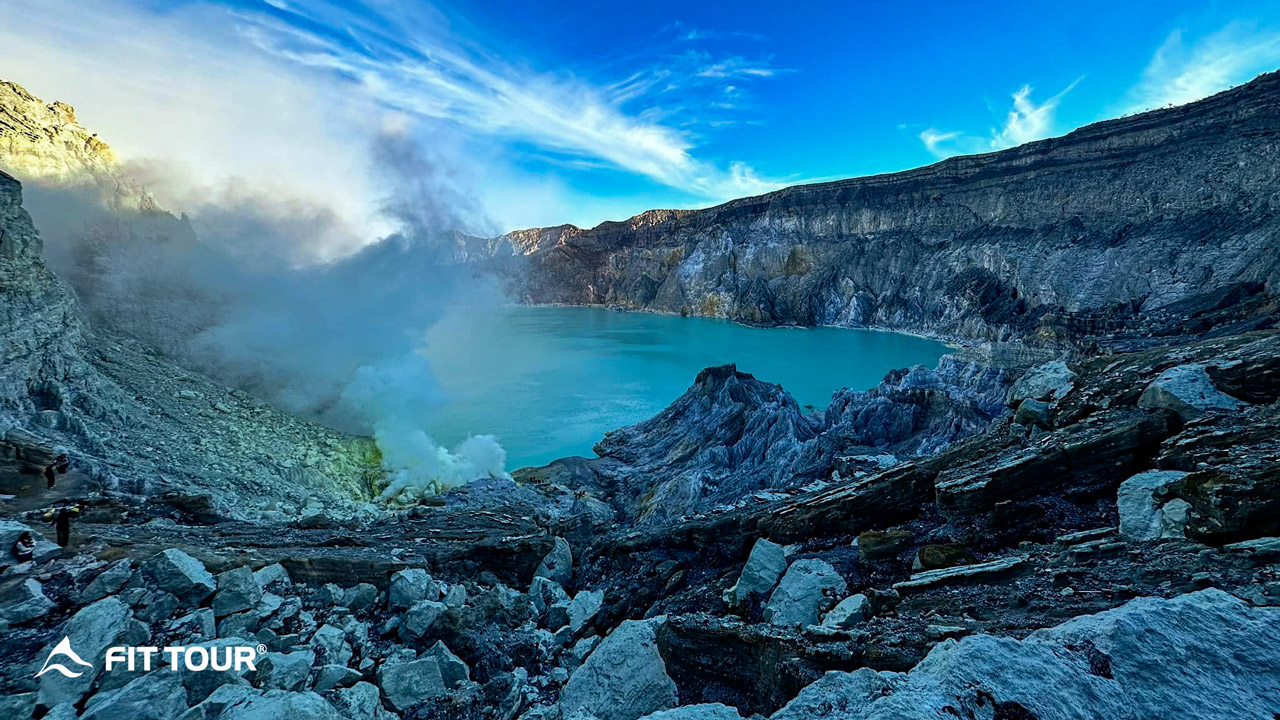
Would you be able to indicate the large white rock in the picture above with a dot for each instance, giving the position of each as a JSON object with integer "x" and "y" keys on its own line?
{"x": 765, "y": 564}
{"x": 1186, "y": 390}
{"x": 1201, "y": 656}
{"x": 849, "y": 612}
{"x": 625, "y": 677}
{"x": 558, "y": 564}
{"x": 808, "y": 589}
{"x": 179, "y": 574}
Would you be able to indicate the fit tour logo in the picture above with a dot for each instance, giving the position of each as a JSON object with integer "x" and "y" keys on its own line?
{"x": 195, "y": 658}
{"x": 63, "y": 649}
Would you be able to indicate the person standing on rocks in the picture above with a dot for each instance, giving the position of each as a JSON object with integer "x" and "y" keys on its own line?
{"x": 59, "y": 466}
{"x": 61, "y": 520}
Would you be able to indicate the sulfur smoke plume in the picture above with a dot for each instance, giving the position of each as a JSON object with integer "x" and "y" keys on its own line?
{"x": 233, "y": 290}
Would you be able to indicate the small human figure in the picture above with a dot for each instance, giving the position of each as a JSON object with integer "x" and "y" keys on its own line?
{"x": 62, "y": 523}
{"x": 59, "y": 466}
{"x": 25, "y": 548}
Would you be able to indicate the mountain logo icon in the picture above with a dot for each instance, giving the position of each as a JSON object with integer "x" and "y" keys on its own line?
{"x": 63, "y": 649}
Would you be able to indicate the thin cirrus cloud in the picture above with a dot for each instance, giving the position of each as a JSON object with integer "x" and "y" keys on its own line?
{"x": 1183, "y": 71}
{"x": 421, "y": 74}
{"x": 1025, "y": 121}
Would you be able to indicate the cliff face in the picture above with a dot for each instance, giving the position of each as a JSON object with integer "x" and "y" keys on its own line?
{"x": 1121, "y": 218}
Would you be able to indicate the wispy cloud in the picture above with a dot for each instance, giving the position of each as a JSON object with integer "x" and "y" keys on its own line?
{"x": 1185, "y": 70}
{"x": 416, "y": 71}
{"x": 1024, "y": 122}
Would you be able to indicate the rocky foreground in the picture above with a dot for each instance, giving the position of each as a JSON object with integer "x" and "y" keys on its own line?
{"x": 1042, "y": 530}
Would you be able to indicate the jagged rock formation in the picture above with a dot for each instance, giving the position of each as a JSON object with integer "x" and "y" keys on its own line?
{"x": 733, "y": 439}
{"x": 1118, "y": 229}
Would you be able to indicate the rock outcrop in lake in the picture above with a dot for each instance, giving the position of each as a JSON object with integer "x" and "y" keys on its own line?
{"x": 1156, "y": 223}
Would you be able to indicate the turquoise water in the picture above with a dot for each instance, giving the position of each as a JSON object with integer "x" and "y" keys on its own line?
{"x": 549, "y": 381}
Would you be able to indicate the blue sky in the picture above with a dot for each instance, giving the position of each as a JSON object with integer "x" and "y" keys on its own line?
{"x": 549, "y": 112}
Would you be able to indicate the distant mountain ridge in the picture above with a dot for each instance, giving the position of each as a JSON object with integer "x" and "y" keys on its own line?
{"x": 1120, "y": 218}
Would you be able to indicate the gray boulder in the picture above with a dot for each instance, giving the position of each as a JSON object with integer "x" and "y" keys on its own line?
{"x": 24, "y": 601}
{"x": 583, "y": 608}
{"x": 765, "y": 564}
{"x": 849, "y": 612}
{"x": 88, "y": 634}
{"x": 420, "y": 618}
{"x": 411, "y": 683}
{"x": 360, "y": 597}
{"x": 154, "y": 696}
{"x": 273, "y": 577}
{"x": 238, "y": 590}
{"x": 839, "y": 695}
{"x": 410, "y": 587}
{"x": 710, "y": 711}
{"x": 109, "y": 581}
{"x": 453, "y": 671}
{"x": 179, "y": 574}
{"x": 284, "y": 671}
{"x": 807, "y": 590}
{"x": 331, "y": 646}
{"x": 1186, "y": 390}
{"x": 1141, "y": 513}
{"x": 1051, "y": 381}
{"x": 335, "y": 676}
{"x": 558, "y": 564}
{"x": 281, "y": 705}
{"x": 361, "y": 701}
{"x": 625, "y": 677}
{"x": 545, "y": 593}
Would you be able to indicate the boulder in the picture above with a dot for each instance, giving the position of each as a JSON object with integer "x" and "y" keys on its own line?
{"x": 23, "y": 601}
{"x": 545, "y": 593}
{"x": 583, "y": 608}
{"x": 109, "y": 581}
{"x": 709, "y": 711}
{"x": 453, "y": 671}
{"x": 942, "y": 555}
{"x": 557, "y": 565}
{"x": 849, "y": 612}
{"x": 625, "y": 677}
{"x": 179, "y": 574}
{"x": 1033, "y": 413}
{"x": 331, "y": 646}
{"x": 361, "y": 701}
{"x": 273, "y": 577}
{"x": 410, "y": 587}
{"x": 281, "y": 705}
{"x": 1051, "y": 381}
{"x": 1140, "y": 507}
{"x": 411, "y": 683}
{"x": 87, "y": 634}
{"x": 335, "y": 676}
{"x": 421, "y": 617}
{"x": 238, "y": 590}
{"x": 284, "y": 671}
{"x": 807, "y": 590}
{"x": 839, "y": 695}
{"x": 765, "y": 564}
{"x": 362, "y": 596}
{"x": 153, "y": 696}
{"x": 213, "y": 705}
{"x": 1186, "y": 390}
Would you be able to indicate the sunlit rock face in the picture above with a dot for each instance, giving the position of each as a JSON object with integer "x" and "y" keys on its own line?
{"x": 1083, "y": 235}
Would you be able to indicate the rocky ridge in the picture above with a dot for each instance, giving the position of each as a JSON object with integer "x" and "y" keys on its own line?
{"x": 1160, "y": 223}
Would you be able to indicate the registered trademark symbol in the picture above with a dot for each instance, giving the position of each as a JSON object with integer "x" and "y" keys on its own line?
{"x": 262, "y": 649}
